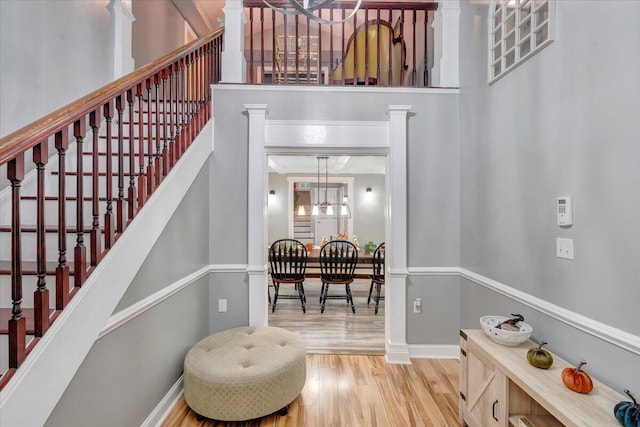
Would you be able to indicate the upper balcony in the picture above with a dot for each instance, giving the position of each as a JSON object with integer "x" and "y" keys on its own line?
{"x": 338, "y": 43}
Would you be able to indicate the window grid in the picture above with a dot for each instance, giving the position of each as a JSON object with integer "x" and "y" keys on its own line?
{"x": 518, "y": 29}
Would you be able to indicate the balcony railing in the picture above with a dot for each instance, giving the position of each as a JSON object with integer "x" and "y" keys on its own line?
{"x": 111, "y": 150}
{"x": 383, "y": 44}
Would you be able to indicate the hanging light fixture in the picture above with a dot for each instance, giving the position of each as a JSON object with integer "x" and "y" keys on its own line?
{"x": 325, "y": 207}
{"x": 308, "y": 8}
{"x": 301, "y": 210}
{"x": 315, "y": 211}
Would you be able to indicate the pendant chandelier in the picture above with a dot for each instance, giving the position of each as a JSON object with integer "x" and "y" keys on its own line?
{"x": 308, "y": 8}
{"x": 325, "y": 207}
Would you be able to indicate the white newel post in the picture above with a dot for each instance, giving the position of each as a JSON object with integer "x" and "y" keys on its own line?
{"x": 121, "y": 21}
{"x": 257, "y": 216}
{"x": 446, "y": 35}
{"x": 396, "y": 348}
{"x": 234, "y": 64}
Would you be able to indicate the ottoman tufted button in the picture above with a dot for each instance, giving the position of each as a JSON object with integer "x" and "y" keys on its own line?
{"x": 219, "y": 386}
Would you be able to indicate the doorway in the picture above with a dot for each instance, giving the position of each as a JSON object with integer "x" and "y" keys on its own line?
{"x": 387, "y": 138}
{"x": 295, "y": 185}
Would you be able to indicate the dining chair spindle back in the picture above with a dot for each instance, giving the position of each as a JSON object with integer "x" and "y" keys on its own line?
{"x": 377, "y": 278}
{"x": 288, "y": 265}
{"x": 338, "y": 259}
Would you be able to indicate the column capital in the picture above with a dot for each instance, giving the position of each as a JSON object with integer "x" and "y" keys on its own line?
{"x": 256, "y": 108}
{"x": 398, "y": 109}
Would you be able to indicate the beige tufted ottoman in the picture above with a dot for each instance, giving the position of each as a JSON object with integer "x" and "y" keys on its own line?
{"x": 244, "y": 373}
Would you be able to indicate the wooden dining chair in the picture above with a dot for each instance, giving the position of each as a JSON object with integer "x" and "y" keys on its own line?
{"x": 377, "y": 278}
{"x": 338, "y": 259}
{"x": 288, "y": 265}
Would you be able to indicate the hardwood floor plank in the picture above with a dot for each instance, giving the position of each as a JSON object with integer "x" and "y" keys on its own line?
{"x": 359, "y": 390}
{"x": 337, "y": 330}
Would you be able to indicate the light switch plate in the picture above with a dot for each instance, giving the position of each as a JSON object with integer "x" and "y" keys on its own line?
{"x": 564, "y": 248}
{"x": 222, "y": 305}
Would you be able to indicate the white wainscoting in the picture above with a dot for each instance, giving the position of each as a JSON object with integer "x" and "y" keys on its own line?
{"x": 607, "y": 333}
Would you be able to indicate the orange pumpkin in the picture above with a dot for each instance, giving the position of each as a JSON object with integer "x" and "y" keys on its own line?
{"x": 576, "y": 379}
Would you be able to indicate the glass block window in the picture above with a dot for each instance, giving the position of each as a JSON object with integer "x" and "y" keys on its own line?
{"x": 517, "y": 30}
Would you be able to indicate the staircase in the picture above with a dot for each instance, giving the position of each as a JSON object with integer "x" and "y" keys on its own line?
{"x": 303, "y": 227}
{"x": 79, "y": 176}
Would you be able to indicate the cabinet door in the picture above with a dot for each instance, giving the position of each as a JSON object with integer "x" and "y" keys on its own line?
{"x": 487, "y": 393}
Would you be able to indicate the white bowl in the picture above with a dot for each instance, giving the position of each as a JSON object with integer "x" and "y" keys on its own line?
{"x": 503, "y": 336}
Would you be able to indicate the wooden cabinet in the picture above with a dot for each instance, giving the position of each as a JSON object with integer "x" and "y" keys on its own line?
{"x": 485, "y": 394}
{"x": 499, "y": 388}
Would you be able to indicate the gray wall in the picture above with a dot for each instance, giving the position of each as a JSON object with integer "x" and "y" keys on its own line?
{"x": 157, "y": 30}
{"x": 563, "y": 123}
{"x": 432, "y": 184}
{"x": 278, "y": 218}
{"x": 369, "y": 208}
{"x": 51, "y": 53}
{"x": 129, "y": 371}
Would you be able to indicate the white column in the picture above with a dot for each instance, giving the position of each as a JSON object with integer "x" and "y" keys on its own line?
{"x": 257, "y": 216}
{"x": 234, "y": 64}
{"x": 446, "y": 30}
{"x": 121, "y": 20}
{"x": 396, "y": 348}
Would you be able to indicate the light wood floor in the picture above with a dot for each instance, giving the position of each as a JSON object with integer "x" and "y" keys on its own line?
{"x": 349, "y": 384}
{"x": 337, "y": 330}
{"x": 361, "y": 391}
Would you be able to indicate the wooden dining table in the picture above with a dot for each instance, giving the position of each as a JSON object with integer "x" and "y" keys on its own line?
{"x": 364, "y": 266}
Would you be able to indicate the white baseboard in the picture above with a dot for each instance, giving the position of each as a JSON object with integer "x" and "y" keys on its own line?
{"x": 166, "y": 405}
{"x": 397, "y": 354}
{"x": 426, "y": 351}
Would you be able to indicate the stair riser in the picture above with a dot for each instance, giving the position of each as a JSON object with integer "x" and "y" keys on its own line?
{"x": 29, "y": 246}
{"x": 51, "y": 186}
{"x": 28, "y": 212}
{"x": 29, "y": 285}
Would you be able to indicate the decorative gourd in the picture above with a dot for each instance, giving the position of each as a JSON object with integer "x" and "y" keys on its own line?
{"x": 539, "y": 357}
{"x": 628, "y": 413}
{"x": 576, "y": 379}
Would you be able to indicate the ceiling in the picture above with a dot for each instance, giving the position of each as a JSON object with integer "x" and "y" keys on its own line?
{"x": 336, "y": 165}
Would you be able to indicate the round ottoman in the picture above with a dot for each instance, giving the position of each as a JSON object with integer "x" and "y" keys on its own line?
{"x": 244, "y": 373}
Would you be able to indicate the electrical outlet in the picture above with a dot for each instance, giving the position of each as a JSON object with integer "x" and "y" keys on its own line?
{"x": 222, "y": 305}
{"x": 417, "y": 305}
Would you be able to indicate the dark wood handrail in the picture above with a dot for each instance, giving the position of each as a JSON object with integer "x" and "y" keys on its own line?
{"x": 41, "y": 129}
{"x": 125, "y": 138}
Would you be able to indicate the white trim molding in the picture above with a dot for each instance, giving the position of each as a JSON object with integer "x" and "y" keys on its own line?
{"x": 427, "y": 351}
{"x": 609, "y": 334}
{"x": 146, "y": 304}
{"x": 166, "y": 405}
{"x": 395, "y": 331}
{"x": 314, "y": 133}
{"x": 151, "y": 301}
{"x": 258, "y": 214}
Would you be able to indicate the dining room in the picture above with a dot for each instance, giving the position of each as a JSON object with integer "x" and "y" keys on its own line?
{"x": 337, "y": 201}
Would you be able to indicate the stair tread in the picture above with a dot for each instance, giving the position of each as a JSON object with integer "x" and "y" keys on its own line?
{"x": 30, "y": 268}
{"x": 27, "y": 313}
